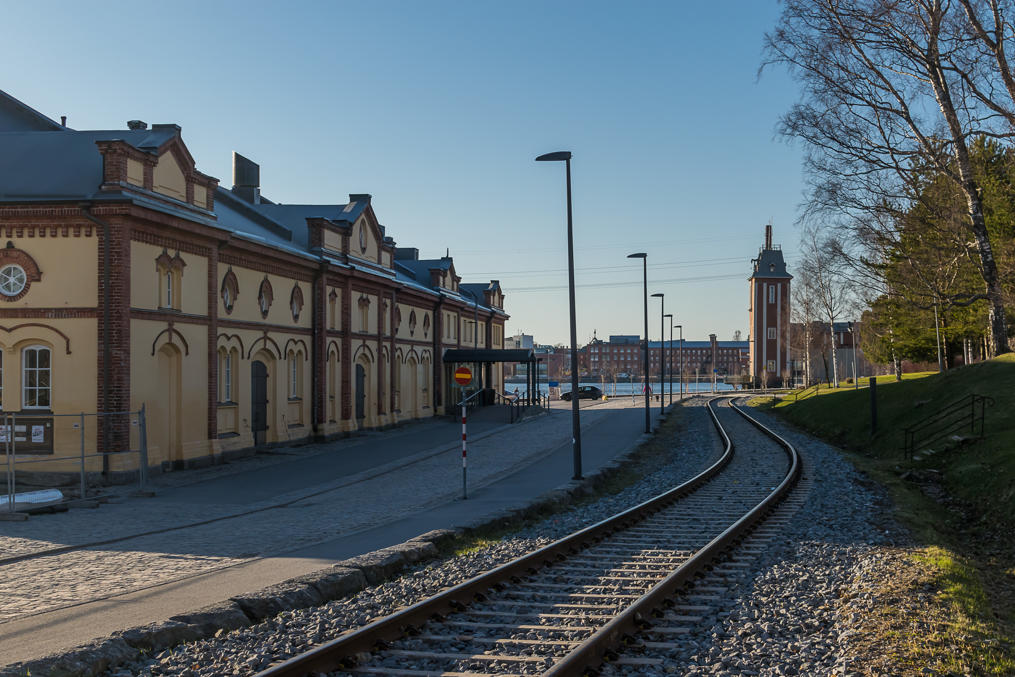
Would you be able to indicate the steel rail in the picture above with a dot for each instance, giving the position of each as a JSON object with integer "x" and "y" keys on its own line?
{"x": 591, "y": 653}
{"x": 341, "y": 653}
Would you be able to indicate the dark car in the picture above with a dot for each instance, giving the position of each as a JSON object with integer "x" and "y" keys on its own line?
{"x": 584, "y": 393}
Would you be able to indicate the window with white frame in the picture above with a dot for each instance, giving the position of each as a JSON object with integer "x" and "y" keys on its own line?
{"x": 36, "y": 374}
{"x": 771, "y": 332}
{"x": 295, "y": 374}
{"x": 226, "y": 375}
{"x": 771, "y": 293}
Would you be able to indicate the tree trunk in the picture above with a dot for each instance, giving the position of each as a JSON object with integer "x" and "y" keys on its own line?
{"x": 835, "y": 359}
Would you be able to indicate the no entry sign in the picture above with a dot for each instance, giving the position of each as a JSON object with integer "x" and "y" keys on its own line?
{"x": 463, "y": 376}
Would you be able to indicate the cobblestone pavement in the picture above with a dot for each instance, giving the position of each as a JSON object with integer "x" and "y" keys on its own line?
{"x": 272, "y": 526}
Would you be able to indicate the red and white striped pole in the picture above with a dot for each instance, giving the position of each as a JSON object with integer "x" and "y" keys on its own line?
{"x": 464, "y": 450}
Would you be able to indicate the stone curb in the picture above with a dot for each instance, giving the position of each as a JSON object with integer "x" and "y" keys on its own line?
{"x": 343, "y": 579}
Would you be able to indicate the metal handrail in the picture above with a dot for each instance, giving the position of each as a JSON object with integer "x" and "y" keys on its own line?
{"x": 947, "y": 420}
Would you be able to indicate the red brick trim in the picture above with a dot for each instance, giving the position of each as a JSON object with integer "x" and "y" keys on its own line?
{"x": 261, "y": 266}
{"x": 42, "y": 231}
{"x": 226, "y": 323}
{"x": 172, "y": 332}
{"x": 180, "y": 245}
{"x": 39, "y": 324}
{"x": 49, "y": 313}
{"x": 265, "y": 340}
{"x": 11, "y": 255}
{"x": 219, "y": 343}
{"x": 168, "y": 316}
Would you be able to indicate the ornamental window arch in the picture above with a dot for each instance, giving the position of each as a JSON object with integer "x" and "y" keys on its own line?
{"x": 229, "y": 291}
{"x": 265, "y": 296}
{"x": 18, "y": 270}
{"x": 170, "y": 272}
{"x": 296, "y": 302}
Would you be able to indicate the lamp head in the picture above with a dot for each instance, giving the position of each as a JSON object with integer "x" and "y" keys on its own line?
{"x": 678, "y": 326}
{"x": 660, "y": 295}
{"x": 639, "y": 255}
{"x": 559, "y": 156}
{"x": 669, "y": 315}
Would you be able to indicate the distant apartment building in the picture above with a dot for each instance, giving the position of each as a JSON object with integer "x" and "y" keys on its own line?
{"x": 622, "y": 357}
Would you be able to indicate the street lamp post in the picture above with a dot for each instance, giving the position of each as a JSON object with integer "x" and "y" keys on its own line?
{"x": 662, "y": 352}
{"x": 669, "y": 356}
{"x": 576, "y": 433}
{"x": 681, "y": 328}
{"x": 852, "y": 339}
{"x": 644, "y": 274}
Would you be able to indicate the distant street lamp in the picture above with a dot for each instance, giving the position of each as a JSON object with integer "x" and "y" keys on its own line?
{"x": 669, "y": 353}
{"x": 852, "y": 339}
{"x": 576, "y": 432}
{"x": 644, "y": 273}
{"x": 662, "y": 377}
{"x": 681, "y": 373}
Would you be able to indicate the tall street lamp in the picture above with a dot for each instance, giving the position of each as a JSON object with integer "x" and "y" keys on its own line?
{"x": 662, "y": 353}
{"x": 644, "y": 274}
{"x": 576, "y": 432}
{"x": 681, "y": 374}
{"x": 669, "y": 353}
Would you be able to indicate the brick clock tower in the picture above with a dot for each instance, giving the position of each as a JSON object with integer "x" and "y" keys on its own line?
{"x": 769, "y": 316}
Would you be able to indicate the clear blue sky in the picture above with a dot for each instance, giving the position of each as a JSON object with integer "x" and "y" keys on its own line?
{"x": 438, "y": 108}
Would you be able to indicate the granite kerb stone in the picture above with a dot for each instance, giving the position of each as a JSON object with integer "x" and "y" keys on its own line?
{"x": 88, "y": 660}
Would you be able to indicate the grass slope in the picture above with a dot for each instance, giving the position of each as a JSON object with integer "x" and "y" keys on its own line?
{"x": 959, "y": 502}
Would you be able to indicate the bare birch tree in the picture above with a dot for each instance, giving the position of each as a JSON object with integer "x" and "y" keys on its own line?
{"x": 892, "y": 90}
{"x": 821, "y": 268}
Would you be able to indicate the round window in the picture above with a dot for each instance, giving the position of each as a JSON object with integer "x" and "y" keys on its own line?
{"x": 12, "y": 280}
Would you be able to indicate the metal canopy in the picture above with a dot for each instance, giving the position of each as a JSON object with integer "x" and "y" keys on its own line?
{"x": 488, "y": 355}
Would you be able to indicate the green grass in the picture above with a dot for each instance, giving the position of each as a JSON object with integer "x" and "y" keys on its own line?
{"x": 959, "y": 502}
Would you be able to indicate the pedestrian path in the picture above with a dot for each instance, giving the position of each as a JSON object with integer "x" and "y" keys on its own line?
{"x": 279, "y": 517}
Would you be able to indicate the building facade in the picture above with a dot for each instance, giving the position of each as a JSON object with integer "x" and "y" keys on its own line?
{"x": 130, "y": 279}
{"x": 769, "y": 316}
{"x": 622, "y": 357}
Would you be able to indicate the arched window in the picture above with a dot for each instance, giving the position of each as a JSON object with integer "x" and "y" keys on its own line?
{"x": 228, "y": 364}
{"x": 296, "y": 302}
{"x": 230, "y": 290}
{"x": 170, "y": 270}
{"x": 265, "y": 297}
{"x": 36, "y": 378}
{"x": 295, "y": 374}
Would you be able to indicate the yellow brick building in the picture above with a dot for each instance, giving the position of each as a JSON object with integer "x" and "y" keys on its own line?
{"x": 129, "y": 278}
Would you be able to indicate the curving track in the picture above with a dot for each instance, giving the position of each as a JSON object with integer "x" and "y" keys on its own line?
{"x": 566, "y": 608}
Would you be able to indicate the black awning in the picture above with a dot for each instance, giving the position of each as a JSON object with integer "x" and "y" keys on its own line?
{"x": 487, "y": 355}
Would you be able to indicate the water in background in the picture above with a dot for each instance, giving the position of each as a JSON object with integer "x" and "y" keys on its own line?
{"x": 627, "y": 389}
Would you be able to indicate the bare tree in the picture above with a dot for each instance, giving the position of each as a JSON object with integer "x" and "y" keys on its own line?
{"x": 893, "y": 91}
{"x": 821, "y": 272}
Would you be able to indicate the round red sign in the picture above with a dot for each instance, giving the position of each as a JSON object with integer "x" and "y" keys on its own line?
{"x": 463, "y": 376}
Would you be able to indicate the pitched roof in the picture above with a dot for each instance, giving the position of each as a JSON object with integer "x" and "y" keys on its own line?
{"x": 63, "y": 164}
{"x": 16, "y": 116}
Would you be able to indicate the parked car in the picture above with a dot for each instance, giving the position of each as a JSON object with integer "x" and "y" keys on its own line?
{"x": 584, "y": 393}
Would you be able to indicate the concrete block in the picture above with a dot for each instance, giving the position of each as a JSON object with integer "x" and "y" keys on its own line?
{"x": 162, "y": 635}
{"x": 377, "y": 566}
{"x": 278, "y": 598}
{"x": 416, "y": 551}
{"x": 227, "y": 615}
{"x": 335, "y": 583}
{"x": 439, "y": 537}
{"x": 89, "y": 660}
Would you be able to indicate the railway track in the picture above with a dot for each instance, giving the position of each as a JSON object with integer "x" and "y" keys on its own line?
{"x": 568, "y": 607}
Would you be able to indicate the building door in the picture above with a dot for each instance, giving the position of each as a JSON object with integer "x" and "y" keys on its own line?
{"x": 361, "y": 394}
{"x": 259, "y": 401}
{"x": 168, "y": 419}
